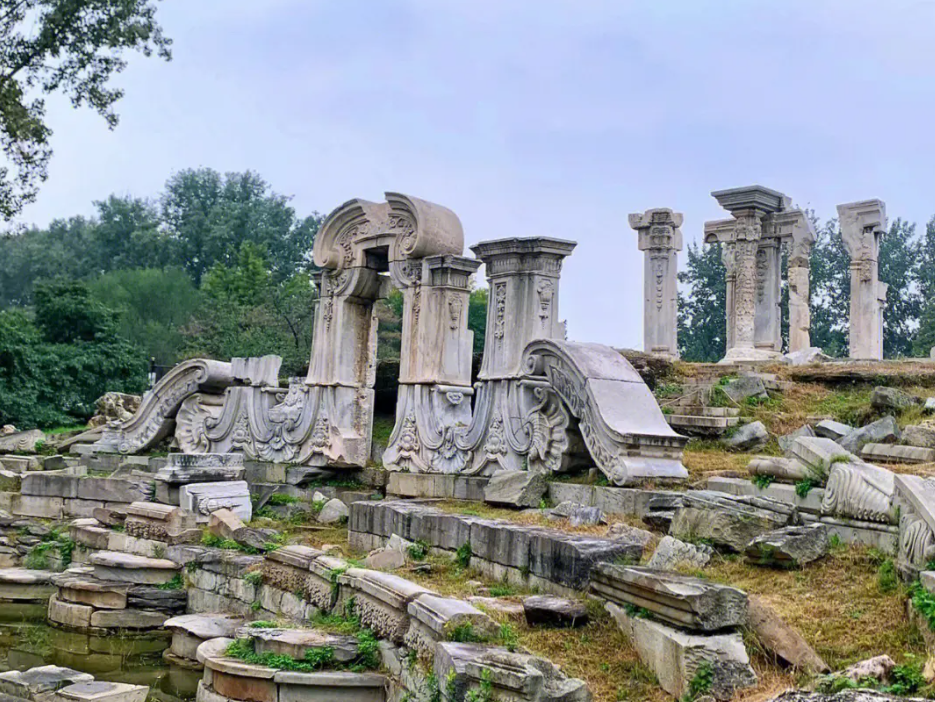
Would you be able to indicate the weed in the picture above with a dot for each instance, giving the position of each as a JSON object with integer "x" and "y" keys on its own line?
{"x": 886, "y": 576}
{"x": 805, "y": 486}
{"x": 463, "y": 554}
{"x": 762, "y": 481}
{"x": 509, "y": 637}
{"x": 281, "y": 498}
{"x": 254, "y": 578}
{"x": 484, "y": 693}
{"x": 700, "y": 683}
{"x": 418, "y": 550}
{"x": 263, "y": 624}
{"x": 175, "y": 584}
{"x": 256, "y": 606}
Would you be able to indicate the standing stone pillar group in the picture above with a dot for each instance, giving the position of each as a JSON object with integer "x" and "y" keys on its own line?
{"x": 661, "y": 240}
{"x": 862, "y": 225}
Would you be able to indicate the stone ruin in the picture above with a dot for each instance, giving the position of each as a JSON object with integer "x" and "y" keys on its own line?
{"x": 762, "y": 222}
{"x": 541, "y": 403}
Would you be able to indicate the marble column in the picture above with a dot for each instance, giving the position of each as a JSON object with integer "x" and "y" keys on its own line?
{"x": 751, "y": 260}
{"x": 523, "y": 277}
{"x": 660, "y": 239}
{"x": 796, "y": 228}
{"x": 862, "y": 225}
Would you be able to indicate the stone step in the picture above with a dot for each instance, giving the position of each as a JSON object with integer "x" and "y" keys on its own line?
{"x": 705, "y": 411}
{"x": 678, "y": 600}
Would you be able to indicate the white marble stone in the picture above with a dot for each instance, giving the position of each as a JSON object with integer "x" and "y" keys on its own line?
{"x": 660, "y": 238}
{"x": 862, "y": 225}
{"x": 201, "y": 499}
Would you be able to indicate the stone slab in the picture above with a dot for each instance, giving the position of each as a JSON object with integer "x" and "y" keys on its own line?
{"x": 102, "y": 691}
{"x": 201, "y": 499}
{"x": 895, "y": 453}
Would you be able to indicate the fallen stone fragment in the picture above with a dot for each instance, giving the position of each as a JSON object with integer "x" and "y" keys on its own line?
{"x": 660, "y": 511}
{"x": 818, "y": 453}
{"x": 544, "y": 610}
{"x": 620, "y": 530}
{"x": 842, "y": 696}
{"x": 886, "y": 399}
{"x": 748, "y": 437}
{"x": 671, "y": 553}
{"x": 578, "y": 515}
{"x": 781, "y": 639}
{"x": 254, "y": 538}
{"x": 785, "y": 441}
{"x": 102, "y": 691}
{"x": 385, "y": 559}
{"x": 22, "y": 441}
{"x": 787, "y": 469}
{"x": 296, "y": 643}
{"x": 895, "y": 453}
{"x": 729, "y": 521}
{"x": 830, "y": 429}
{"x": 878, "y": 668}
{"x": 515, "y": 488}
{"x": 46, "y": 678}
{"x": 882, "y": 431}
{"x": 739, "y": 389}
{"x": 499, "y": 605}
{"x": 676, "y": 656}
{"x": 223, "y": 523}
{"x": 921, "y": 435}
{"x": 678, "y": 600}
{"x": 334, "y": 511}
{"x": 789, "y": 547}
{"x": 929, "y": 406}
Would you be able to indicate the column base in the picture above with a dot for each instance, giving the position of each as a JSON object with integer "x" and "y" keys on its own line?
{"x": 748, "y": 355}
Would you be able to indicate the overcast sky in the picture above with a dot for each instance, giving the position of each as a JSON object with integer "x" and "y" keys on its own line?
{"x": 528, "y": 118}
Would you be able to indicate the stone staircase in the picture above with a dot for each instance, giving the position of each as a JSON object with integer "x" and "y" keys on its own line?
{"x": 692, "y": 413}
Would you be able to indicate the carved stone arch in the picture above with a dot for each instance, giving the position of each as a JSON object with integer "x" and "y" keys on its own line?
{"x": 621, "y": 424}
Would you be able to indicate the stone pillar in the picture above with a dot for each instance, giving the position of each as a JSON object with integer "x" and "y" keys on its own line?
{"x": 794, "y": 226}
{"x": 862, "y": 225}
{"x": 751, "y": 261}
{"x": 434, "y": 370}
{"x": 523, "y": 276}
{"x": 661, "y": 240}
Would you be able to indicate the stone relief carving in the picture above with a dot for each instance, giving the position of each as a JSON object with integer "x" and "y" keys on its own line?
{"x": 860, "y": 491}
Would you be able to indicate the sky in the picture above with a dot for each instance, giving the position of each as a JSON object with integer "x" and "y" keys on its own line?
{"x": 527, "y": 118}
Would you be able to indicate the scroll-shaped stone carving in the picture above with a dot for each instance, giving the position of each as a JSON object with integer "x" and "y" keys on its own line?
{"x": 915, "y": 500}
{"x": 154, "y": 419}
{"x": 621, "y": 424}
{"x": 860, "y": 491}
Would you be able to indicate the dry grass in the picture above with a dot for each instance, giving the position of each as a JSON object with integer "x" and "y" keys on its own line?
{"x": 835, "y": 603}
{"x": 705, "y": 462}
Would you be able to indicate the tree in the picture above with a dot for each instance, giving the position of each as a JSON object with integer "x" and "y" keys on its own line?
{"x": 152, "y": 306}
{"x": 702, "y": 317}
{"x": 477, "y": 317}
{"x": 72, "y": 47}
{"x": 209, "y": 216}
{"x": 53, "y": 368}
{"x": 830, "y": 287}
{"x": 899, "y": 268}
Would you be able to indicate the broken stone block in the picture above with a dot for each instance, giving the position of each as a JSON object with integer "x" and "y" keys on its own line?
{"x": 629, "y": 533}
{"x": 785, "y": 441}
{"x": 819, "y": 454}
{"x": 87, "y": 590}
{"x": 790, "y": 547}
{"x": 886, "y": 399}
{"x": 660, "y": 511}
{"x": 781, "y": 639}
{"x": 515, "y": 488}
{"x": 577, "y": 514}
{"x": 860, "y": 491}
{"x": 676, "y": 656}
{"x": 381, "y": 600}
{"x": 895, "y": 453}
{"x": 878, "y": 668}
{"x": 729, "y": 521}
{"x": 333, "y": 511}
{"x": 679, "y": 600}
{"x": 499, "y": 605}
{"x": 385, "y": 559}
{"x": 882, "y": 431}
{"x": 155, "y": 598}
{"x": 743, "y": 387}
{"x": 921, "y": 435}
{"x": 201, "y": 499}
{"x": 295, "y": 643}
{"x": 101, "y": 691}
{"x": 929, "y": 406}
{"x": 544, "y": 610}
{"x": 748, "y": 437}
{"x": 434, "y": 618}
{"x": 128, "y": 619}
{"x": 467, "y": 668}
{"x": 10, "y": 481}
{"x": 183, "y": 469}
{"x": 35, "y": 681}
{"x": 830, "y": 429}
{"x": 671, "y": 553}
{"x": 223, "y": 523}
{"x": 128, "y": 568}
{"x": 787, "y": 469}
{"x": 22, "y": 441}
{"x": 68, "y": 614}
{"x": 189, "y": 631}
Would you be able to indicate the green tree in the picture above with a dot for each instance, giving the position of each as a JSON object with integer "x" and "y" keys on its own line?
{"x": 152, "y": 307}
{"x": 53, "y": 368}
{"x": 925, "y": 339}
{"x": 71, "y": 47}
{"x": 477, "y": 317}
{"x": 209, "y": 216}
{"x": 899, "y": 267}
{"x": 830, "y": 288}
{"x": 702, "y": 318}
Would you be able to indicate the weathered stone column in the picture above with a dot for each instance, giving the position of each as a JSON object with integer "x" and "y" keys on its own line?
{"x": 862, "y": 225}
{"x": 795, "y": 227}
{"x": 523, "y": 275}
{"x": 752, "y": 270}
{"x": 661, "y": 240}
{"x": 435, "y": 369}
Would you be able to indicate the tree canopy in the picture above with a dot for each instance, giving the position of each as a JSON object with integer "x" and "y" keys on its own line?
{"x": 67, "y": 47}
